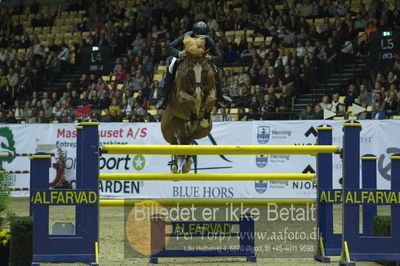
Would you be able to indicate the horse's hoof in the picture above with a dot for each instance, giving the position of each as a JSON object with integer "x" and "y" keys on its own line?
{"x": 174, "y": 169}
{"x": 188, "y": 165}
{"x": 204, "y": 123}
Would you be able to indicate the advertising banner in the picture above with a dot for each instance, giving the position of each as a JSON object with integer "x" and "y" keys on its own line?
{"x": 378, "y": 137}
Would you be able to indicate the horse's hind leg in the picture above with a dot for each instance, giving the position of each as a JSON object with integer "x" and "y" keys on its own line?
{"x": 188, "y": 164}
{"x": 173, "y": 164}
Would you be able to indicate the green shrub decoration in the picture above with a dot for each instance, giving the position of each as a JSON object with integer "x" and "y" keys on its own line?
{"x": 21, "y": 241}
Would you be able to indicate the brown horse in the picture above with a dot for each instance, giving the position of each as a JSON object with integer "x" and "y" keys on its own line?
{"x": 187, "y": 116}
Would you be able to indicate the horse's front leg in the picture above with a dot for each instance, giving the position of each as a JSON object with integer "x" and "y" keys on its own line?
{"x": 189, "y": 103}
{"x": 173, "y": 164}
{"x": 210, "y": 102}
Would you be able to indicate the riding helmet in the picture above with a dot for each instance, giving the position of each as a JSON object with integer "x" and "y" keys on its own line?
{"x": 200, "y": 28}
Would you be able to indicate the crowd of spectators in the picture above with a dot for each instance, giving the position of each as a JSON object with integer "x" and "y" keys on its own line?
{"x": 297, "y": 53}
{"x": 380, "y": 102}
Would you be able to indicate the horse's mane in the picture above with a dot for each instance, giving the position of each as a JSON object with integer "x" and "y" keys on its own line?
{"x": 194, "y": 46}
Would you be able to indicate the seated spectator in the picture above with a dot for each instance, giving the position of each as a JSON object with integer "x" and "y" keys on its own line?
{"x": 267, "y": 107}
{"x": 244, "y": 98}
{"x": 126, "y": 108}
{"x": 259, "y": 94}
{"x": 114, "y": 116}
{"x": 115, "y": 107}
{"x": 3, "y": 118}
{"x": 18, "y": 111}
{"x": 63, "y": 58}
{"x": 246, "y": 57}
{"x": 120, "y": 74}
{"x": 155, "y": 94}
{"x": 294, "y": 67}
{"x": 306, "y": 75}
{"x": 318, "y": 112}
{"x": 253, "y": 76}
{"x": 262, "y": 77}
{"x": 234, "y": 89}
{"x": 38, "y": 108}
{"x": 137, "y": 44}
{"x": 227, "y": 79}
{"x": 262, "y": 51}
{"x": 54, "y": 98}
{"x": 57, "y": 110}
{"x": 84, "y": 81}
{"x": 242, "y": 77}
{"x": 310, "y": 47}
{"x": 325, "y": 103}
{"x": 378, "y": 99}
{"x": 64, "y": 100}
{"x": 24, "y": 85}
{"x": 390, "y": 105}
{"x": 31, "y": 118}
{"x": 25, "y": 111}
{"x": 242, "y": 116}
{"x": 48, "y": 110}
{"x": 351, "y": 95}
{"x": 287, "y": 80}
{"x": 65, "y": 117}
{"x": 331, "y": 56}
{"x": 289, "y": 38}
{"x": 308, "y": 113}
{"x": 138, "y": 81}
{"x": 254, "y": 109}
{"x": 365, "y": 97}
{"x": 42, "y": 118}
{"x": 10, "y": 119}
{"x": 148, "y": 65}
{"x": 95, "y": 101}
{"x": 105, "y": 116}
{"x": 272, "y": 79}
{"x": 230, "y": 54}
{"x": 141, "y": 99}
{"x": 74, "y": 100}
{"x": 138, "y": 109}
{"x": 12, "y": 78}
{"x": 85, "y": 99}
{"x": 337, "y": 107}
{"x": 129, "y": 97}
{"x": 300, "y": 50}
{"x": 285, "y": 102}
{"x": 45, "y": 98}
{"x": 378, "y": 112}
{"x": 128, "y": 84}
{"x": 392, "y": 78}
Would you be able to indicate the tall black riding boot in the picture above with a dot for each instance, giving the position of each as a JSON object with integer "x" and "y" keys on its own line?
{"x": 168, "y": 82}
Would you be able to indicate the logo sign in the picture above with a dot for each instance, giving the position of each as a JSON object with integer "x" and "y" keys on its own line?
{"x": 7, "y": 145}
{"x": 263, "y": 134}
{"x": 261, "y": 160}
{"x": 139, "y": 162}
{"x": 261, "y": 186}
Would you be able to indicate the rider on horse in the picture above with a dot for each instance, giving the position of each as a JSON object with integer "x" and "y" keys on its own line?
{"x": 176, "y": 49}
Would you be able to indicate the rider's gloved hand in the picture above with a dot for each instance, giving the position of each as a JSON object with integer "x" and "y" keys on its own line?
{"x": 182, "y": 53}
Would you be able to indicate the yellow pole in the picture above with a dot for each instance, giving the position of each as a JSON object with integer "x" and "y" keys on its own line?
{"x": 207, "y": 177}
{"x": 207, "y": 202}
{"x": 217, "y": 149}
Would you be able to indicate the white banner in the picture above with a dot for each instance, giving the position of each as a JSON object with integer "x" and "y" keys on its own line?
{"x": 378, "y": 137}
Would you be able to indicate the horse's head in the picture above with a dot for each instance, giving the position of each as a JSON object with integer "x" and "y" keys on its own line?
{"x": 195, "y": 47}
